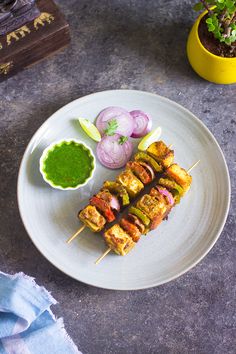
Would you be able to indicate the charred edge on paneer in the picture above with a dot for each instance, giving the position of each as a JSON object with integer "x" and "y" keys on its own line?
{"x": 132, "y": 184}
{"x": 180, "y": 176}
{"x": 118, "y": 240}
{"x": 154, "y": 192}
{"x": 91, "y": 217}
{"x": 153, "y": 208}
{"x": 161, "y": 153}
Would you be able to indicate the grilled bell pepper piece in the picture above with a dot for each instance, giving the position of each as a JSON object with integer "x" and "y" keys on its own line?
{"x": 145, "y": 220}
{"x": 175, "y": 189}
{"x": 103, "y": 207}
{"x": 153, "y": 208}
{"x": 118, "y": 189}
{"x": 170, "y": 184}
{"x": 143, "y": 156}
{"x": 176, "y": 196}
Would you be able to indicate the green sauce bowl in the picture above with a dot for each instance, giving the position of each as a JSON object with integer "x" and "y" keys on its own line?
{"x": 67, "y": 164}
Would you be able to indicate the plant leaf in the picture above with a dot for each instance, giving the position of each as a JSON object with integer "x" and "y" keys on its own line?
{"x": 122, "y": 140}
{"x": 112, "y": 125}
{"x": 229, "y": 3}
{"x": 209, "y": 20}
{"x": 211, "y": 28}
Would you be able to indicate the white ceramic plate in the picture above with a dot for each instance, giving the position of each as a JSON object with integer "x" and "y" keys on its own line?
{"x": 50, "y": 216}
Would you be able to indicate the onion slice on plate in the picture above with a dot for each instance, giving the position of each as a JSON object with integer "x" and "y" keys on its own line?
{"x": 123, "y": 119}
{"x": 111, "y": 153}
{"x": 142, "y": 123}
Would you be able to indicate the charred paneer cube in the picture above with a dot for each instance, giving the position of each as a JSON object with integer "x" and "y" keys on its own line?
{"x": 180, "y": 176}
{"x": 131, "y": 183}
{"x": 118, "y": 240}
{"x": 161, "y": 153}
{"x": 91, "y": 217}
{"x": 153, "y": 208}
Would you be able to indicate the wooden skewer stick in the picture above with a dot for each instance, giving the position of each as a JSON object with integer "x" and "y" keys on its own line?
{"x": 194, "y": 165}
{"x": 76, "y": 234}
{"x": 109, "y": 249}
{"x": 102, "y": 256}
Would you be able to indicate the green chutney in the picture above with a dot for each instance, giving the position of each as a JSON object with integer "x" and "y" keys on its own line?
{"x": 68, "y": 164}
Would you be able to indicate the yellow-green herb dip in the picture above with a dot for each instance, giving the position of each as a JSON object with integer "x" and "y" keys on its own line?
{"x": 68, "y": 164}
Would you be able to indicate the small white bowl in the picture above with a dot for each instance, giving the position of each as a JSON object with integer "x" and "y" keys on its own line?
{"x": 50, "y": 147}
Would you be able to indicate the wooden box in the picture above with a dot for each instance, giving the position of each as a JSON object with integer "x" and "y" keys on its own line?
{"x": 34, "y": 41}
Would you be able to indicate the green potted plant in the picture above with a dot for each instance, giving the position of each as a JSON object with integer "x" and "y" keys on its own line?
{"x": 211, "y": 46}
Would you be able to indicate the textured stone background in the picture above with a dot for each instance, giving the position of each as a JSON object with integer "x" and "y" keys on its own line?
{"x": 133, "y": 44}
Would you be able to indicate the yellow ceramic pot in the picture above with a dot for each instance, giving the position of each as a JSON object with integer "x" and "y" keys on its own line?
{"x": 207, "y": 65}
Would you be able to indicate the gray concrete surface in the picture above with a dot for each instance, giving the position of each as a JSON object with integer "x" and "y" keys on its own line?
{"x": 133, "y": 44}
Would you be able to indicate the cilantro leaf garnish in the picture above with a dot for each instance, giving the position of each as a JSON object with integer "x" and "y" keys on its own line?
{"x": 112, "y": 125}
{"x": 122, "y": 140}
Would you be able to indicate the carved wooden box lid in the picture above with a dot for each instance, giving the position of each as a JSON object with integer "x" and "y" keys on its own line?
{"x": 33, "y": 41}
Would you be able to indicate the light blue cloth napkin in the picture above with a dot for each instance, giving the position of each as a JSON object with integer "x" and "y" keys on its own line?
{"x": 27, "y": 325}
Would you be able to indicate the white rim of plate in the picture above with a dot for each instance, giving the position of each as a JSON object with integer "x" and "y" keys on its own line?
{"x": 53, "y": 144}
{"x": 171, "y": 102}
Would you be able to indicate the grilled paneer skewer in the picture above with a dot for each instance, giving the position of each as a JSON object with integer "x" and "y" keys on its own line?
{"x": 149, "y": 211}
{"x": 128, "y": 184}
{"x": 92, "y": 218}
{"x": 119, "y": 240}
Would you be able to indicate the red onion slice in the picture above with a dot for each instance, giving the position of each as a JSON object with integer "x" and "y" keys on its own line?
{"x": 167, "y": 194}
{"x": 114, "y": 203}
{"x": 123, "y": 118}
{"x": 149, "y": 168}
{"x": 112, "y": 154}
{"x": 142, "y": 124}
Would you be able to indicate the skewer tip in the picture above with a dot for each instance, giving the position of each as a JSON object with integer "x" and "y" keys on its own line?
{"x": 102, "y": 256}
{"x": 194, "y": 165}
{"x": 76, "y": 234}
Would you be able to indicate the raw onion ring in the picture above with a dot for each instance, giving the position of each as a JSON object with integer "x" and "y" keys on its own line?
{"x": 112, "y": 154}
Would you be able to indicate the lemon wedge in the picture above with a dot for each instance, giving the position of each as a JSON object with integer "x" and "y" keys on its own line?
{"x": 150, "y": 138}
{"x": 90, "y": 129}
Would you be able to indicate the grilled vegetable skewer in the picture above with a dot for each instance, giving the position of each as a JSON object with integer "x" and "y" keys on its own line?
{"x": 151, "y": 209}
{"x": 105, "y": 205}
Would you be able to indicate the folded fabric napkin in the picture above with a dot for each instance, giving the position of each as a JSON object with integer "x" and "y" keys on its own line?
{"x": 27, "y": 325}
